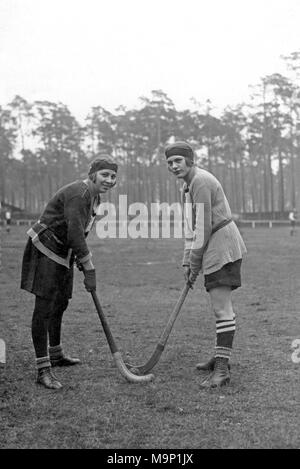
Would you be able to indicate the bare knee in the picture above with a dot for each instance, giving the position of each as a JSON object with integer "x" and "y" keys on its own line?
{"x": 222, "y": 314}
{"x": 221, "y": 303}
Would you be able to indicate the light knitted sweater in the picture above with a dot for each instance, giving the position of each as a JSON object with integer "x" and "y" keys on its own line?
{"x": 205, "y": 209}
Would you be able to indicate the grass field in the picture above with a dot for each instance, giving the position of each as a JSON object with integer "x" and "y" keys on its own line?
{"x": 138, "y": 284}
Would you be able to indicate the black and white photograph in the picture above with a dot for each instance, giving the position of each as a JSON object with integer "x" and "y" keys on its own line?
{"x": 149, "y": 227}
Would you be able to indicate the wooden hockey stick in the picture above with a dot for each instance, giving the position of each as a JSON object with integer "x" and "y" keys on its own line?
{"x": 131, "y": 377}
{"x": 143, "y": 369}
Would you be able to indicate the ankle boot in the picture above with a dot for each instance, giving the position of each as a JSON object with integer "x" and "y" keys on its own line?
{"x": 208, "y": 366}
{"x": 46, "y": 378}
{"x": 220, "y": 375}
{"x": 64, "y": 361}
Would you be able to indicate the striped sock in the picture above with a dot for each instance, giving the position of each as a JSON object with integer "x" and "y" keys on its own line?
{"x": 43, "y": 362}
{"x": 225, "y": 333}
{"x": 56, "y": 352}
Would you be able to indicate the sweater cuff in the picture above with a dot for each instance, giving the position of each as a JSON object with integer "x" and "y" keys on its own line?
{"x": 86, "y": 258}
{"x": 186, "y": 257}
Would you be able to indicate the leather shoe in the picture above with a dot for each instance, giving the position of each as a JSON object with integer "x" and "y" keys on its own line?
{"x": 47, "y": 379}
{"x": 208, "y": 366}
{"x": 64, "y": 361}
{"x": 219, "y": 377}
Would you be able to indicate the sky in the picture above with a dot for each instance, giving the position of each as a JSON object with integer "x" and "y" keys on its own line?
{"x": 109, "y": 53}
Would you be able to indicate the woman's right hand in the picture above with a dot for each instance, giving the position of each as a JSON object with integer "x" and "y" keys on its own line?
{"x": 186, "y": 273}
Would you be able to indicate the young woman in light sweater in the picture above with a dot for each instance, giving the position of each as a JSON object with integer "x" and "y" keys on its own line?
{"x": 213, "y": 246}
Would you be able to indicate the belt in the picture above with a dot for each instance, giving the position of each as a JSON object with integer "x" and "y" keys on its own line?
{"x": 221, "y": 225}
{"x": 39, "y": 227}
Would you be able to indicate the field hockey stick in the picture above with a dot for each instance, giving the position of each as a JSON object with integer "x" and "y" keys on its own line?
{"x": 143, "y": 369}
{"x": 114, "y": 349}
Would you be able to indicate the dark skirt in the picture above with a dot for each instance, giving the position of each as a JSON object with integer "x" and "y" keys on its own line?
{"x": 228, "y": 276}
{"x": 44, "y": 277}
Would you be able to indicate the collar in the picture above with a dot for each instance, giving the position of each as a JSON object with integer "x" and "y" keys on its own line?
{"x": 94, "y": 197}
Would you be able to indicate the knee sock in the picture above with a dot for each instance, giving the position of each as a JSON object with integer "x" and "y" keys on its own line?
{"x": 224, "y": 339}
{"x": 56, "y": 352}
{"x": 42, "y": 362}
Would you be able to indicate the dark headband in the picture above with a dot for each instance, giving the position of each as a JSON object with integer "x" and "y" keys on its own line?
{"x": 103, "y": 162}
{"x": 181, "y": 149}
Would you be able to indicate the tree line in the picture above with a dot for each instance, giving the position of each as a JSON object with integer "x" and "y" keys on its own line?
{"x": 253, "y": 148}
